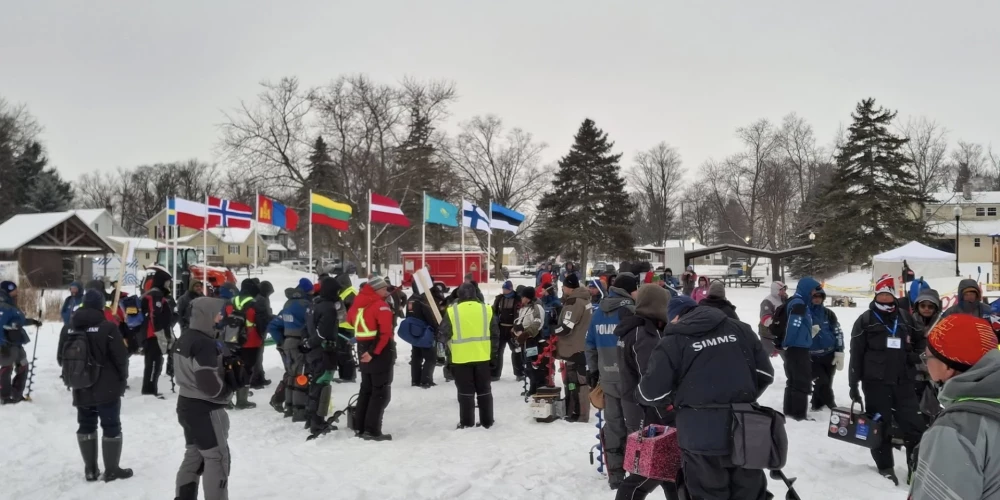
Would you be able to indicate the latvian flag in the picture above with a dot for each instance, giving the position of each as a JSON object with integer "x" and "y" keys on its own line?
{"x": 504, "y": 218}
{"x": 386, "y": 211}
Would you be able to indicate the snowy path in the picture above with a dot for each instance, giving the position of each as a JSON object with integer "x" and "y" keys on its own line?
{"x": 428, "y": 458}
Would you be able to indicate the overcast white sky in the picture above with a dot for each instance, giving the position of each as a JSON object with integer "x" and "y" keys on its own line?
{"x": 121, "y": 83}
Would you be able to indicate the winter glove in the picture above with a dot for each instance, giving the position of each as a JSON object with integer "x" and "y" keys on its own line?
{"x": 815, "y": 330}
{"x": 593, "y": 377}
{"x": 838, "y": 361}
{"x": 856, "y": 395}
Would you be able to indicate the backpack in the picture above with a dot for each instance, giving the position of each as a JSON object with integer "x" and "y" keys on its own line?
{"x": 79, "y": 368}
{"x": 234, "y": 326}
{"x": 779, "y": 321}
{"x": 133, "y": 313}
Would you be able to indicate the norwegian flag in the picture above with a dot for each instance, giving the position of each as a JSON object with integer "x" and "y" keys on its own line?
{"x": 227, "y": 213}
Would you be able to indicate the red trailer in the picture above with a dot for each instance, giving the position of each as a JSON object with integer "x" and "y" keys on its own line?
{"x": 446, "y": 267}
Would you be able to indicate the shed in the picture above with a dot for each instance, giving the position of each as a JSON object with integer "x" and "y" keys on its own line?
{"x": 49, "y": 247}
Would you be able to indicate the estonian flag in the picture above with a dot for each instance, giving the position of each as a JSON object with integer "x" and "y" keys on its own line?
{"x": 505, "y": 219}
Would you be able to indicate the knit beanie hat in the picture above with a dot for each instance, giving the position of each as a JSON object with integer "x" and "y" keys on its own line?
{"x": 679, "y": 305}
{"x": 8, "y": 286}
{"x": 626, "y": 282}
{"x": 508, "y": 285}
{"x": 885, "y": 284}
{"x": 305, "y": 285}
{"x": 93, "y": 299}
{"x": 377, "y": 283}
{"x": 571, "y": 281}
{"x": 528, "y": 293}
{"x": 717, "y": 290}
{"x": 961, "y": 340}
{"x": 652, "y": 302}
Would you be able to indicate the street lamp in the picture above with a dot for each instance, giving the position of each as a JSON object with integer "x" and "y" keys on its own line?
{"x": 957, "y": 211}
{"x": 812, "y": 236}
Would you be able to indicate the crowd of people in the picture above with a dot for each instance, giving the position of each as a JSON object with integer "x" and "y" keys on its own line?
{"x": 662, "y": 350}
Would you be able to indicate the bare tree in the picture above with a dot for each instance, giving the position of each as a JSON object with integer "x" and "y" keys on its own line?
{"x": 968, "y": 161}
{"x": 18, "y": 127}
{"x": 269, "y": 138}
{"x": 698, "y": 214}
{"x": 655, "y": 177}
{"x": 926, "y": 151}
{"x": 498, "y": 166}
{"x": 798, "y": 145}
{"x": 96, "y": 190}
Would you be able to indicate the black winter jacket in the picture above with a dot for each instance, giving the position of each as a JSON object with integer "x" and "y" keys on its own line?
{"x": 108, "y": 350}
{"x": 184, "y": 308}
{"x": 873, "y": 359}
{"x": 706, "y": 360}
{"x": 637, "y": 337}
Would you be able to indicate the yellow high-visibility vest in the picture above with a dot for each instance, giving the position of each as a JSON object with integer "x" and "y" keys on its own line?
{"x": 238, "y": 305}
{"x": 347, "y": 292}
{"x": 361, "y": 328}
{"x": 470, "y": 323}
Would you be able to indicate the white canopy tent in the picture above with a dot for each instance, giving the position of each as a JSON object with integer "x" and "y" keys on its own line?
{"x": 922, "y": 259}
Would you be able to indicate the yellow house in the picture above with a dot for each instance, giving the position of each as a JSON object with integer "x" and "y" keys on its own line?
{"x": 973, "y": 215}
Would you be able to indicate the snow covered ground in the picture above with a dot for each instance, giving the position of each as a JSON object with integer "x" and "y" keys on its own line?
{"x": 428, "y": 458}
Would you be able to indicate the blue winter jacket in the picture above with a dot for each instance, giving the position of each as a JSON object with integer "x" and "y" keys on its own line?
{"x": 602, "y": 343}
{"x": 11, "y": 322}
{"x": 72, "y": 302}
{"x": 416, "y": 332}
{"x": 551, "y": 304}
{"x": 276, "y": 328}
{"x": 798, "y": 332}
{"x": 294, "y": 313}
{"x": 830, "y": 337}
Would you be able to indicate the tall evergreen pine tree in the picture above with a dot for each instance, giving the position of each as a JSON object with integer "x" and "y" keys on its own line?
{"x": 588, "y": 208}
{"x": 869, "y": 204}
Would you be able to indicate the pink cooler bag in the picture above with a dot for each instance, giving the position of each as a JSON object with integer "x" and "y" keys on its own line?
{"x": 653, "y": 452}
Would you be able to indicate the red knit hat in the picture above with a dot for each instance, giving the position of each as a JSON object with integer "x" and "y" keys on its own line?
{"x": 961, "y": 340}
{"x": 885, "y": 284}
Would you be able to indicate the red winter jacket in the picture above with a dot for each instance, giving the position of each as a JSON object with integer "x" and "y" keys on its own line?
{"x": 377, "y": 317}
{"x": 253, "y": 336}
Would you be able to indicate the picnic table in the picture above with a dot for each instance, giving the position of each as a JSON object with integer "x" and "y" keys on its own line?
{"x": 733, "y": 281}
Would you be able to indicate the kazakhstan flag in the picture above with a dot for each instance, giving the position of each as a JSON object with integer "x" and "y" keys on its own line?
{"x": 440, "y": 212}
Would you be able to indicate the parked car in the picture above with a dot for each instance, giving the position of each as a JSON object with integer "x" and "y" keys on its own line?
{"x": 735, "y": 269}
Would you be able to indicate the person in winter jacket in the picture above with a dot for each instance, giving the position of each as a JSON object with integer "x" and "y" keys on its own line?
{"x": 688, "y": 281}
{"x": 258, "y": 379}
{"x": 347, "y": 366}
{"x": 420, "y": 328}
{"x": 596, "y": 289}
{"x": 13, "y": 358}
{"x": 602, "y": 367}
{"x": 72, "y": 302}
{"x": 716, "y": 298}
{"x": 926, "y": 312}
{"x": 473, "y": 333}
{"x": 970, "y": 301}
{"x": 158, "y": 321}
{"x": 204, "y": 382}
{"x": 705, "y": 362}
{"x": 505, "y": 308}
{"x": 528, "y": 338}
{"x": 884, "y": 364}
{"x": 826, "y": 352}
{"x": 101, "y": 401}
{"x": 701, "y": 291}
{"x": 638, "y": 335}
{"x": 293, "y": 317}
{"x": 323, "y": 325}
{"x": 768, "y": 308}
{"x": 798, "y": 341}
{"x": 571, "y": 331}
{"x": 245, "y": 314}
{"x": 552, "y": 305}
{"x": 197, "y": 289}
{"x": 372, "y": 321}
{"x": 958, "y": 455}
{"x": 543, "y": 271}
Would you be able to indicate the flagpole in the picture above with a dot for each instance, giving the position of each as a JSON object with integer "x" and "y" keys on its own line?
{"x": 461, "y": 227}
{"x": 369, "y": 232}
{"x": 176, "y": 230}
{"x": 423, "y": 235}
{"x": 256, "y": 230}
{"x": 489, "y": 245}
{"x": 311, "y": 230}
{"x": 204, "y": 239}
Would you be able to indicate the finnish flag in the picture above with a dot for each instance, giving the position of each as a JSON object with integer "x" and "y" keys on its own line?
{"x": 474, "y": 217}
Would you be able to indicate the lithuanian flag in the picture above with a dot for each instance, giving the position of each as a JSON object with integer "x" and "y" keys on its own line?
{"x": 327, "y": 212}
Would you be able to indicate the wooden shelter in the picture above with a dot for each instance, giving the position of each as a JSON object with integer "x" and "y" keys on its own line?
{"x": 48, "y": 247}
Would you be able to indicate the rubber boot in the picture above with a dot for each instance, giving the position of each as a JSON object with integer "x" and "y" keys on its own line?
{"x": 88, "y": 450}
{"x": 242, "y": 399}
{"x": 300, "y": 415}
{"x": 112, "y": 448}
{"x": 583, "y": 402}
{"x": 485, "y": 410}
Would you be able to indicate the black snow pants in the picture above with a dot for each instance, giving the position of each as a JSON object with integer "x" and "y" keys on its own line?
{"x": 896, "y": 402}
{"x": 206, "y": 450}
{"x": 822, "y": 373}
{"x": 636, "y": 487}
{"x": 474, "y": 385}
{"x": 153, "y": 366}
{"x": 347, "y": 367}
{"x": 374, "y": 397}
{"x": 422, "y": 363}
{"x": 713, "y": 477}
{"x": 798, "y": 362}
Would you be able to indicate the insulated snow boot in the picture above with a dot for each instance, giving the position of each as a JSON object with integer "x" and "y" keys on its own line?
{"x": 583, "y": 404}
{"x": 889, "y": 474}
{"x": 242, "y": 399}
{"x": 300, "y": 415}
{"x": 88, "y": 450}
{"x": 381, "y": 437}
{"x": 615, "y": 480}
{"x": 112, "y": 448}
{"x": 278, "y": 406}
{"x": 289, "y": 412}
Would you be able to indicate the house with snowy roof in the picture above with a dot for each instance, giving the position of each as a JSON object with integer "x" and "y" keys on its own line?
{"x": 50, "y": 250}
{"x": 225, "y": 246}
{"x": 973, "y": 215}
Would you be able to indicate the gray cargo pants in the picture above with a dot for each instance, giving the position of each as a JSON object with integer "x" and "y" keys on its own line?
{"x": 296, "y": 396}
{"x": 614, "y": 430}
{"x": 206, "y": 454}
